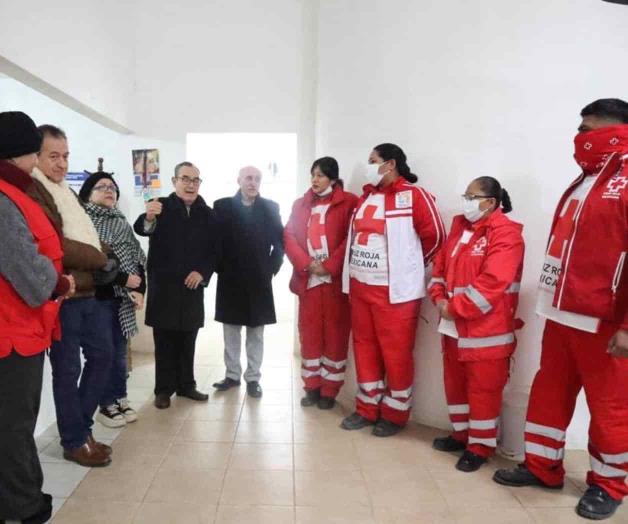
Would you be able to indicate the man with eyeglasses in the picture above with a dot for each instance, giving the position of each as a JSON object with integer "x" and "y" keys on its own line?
{"x": 181, "y": 259}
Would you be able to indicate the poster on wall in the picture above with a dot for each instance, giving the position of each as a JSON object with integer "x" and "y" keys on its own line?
{"x": 146, "y": 173}
{"x": 75, "y": 180}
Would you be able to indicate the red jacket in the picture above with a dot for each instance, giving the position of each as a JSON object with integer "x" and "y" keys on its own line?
{"x": 481, "y": 281}
{"x": 593, "y": 279}
{"x": 29, "y": 330}
{"x": 336, "y": 227}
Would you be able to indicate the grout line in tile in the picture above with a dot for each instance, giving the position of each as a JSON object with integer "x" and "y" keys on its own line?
{"x": 294, "y": 461}
{"x": 226, "y": 470}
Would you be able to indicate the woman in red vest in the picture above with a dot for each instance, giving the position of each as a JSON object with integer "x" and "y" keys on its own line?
{"x": 475, "y": 284}
{"x": 315, "y": 239}
{"x": 31, "y": 285}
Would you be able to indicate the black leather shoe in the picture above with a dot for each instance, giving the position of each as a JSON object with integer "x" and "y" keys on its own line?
{"x": 194, "y": 394}
{"x": 386, "y": 428}
{"x": 326, "y": 403}
{"x": 597, "y": 504}
{"x": 311, "y": 398}
{"x": 226, "y": 384}
{"x": 253, "y": 389}
{"x": 355, "y": 421}
{"x": 448, "y": 444}
{"x": 470, "y": 462}
{"x": 162, "y": 401}
{"x": 519, "y": 477}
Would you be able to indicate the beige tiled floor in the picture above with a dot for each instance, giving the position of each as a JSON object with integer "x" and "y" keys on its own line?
{"x": 239, "y": 460}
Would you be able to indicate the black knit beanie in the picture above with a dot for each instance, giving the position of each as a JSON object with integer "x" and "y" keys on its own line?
{"x": 18, "y": 135}
{"x": 92, "y": 180}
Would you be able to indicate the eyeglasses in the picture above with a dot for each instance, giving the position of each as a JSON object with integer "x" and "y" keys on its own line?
{"x": 105, "y": 187}
{"x": 475, "y": 197}
{"x": 187, "y": 180}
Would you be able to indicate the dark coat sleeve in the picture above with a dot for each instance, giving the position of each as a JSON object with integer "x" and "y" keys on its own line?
{"x": 276, "y": 237}
{"x": 213, "y": 249}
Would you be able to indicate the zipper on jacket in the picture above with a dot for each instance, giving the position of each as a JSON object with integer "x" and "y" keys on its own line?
{"x": 618, "y": 271}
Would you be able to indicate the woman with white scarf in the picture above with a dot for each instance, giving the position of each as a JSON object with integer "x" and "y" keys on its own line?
{"x": 100, "y": 194}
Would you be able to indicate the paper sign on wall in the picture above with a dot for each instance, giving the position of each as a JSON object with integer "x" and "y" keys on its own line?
{"x": 146, "y": 173}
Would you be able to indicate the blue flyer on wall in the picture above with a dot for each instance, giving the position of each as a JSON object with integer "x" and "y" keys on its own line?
{"x": 75, "y": 180}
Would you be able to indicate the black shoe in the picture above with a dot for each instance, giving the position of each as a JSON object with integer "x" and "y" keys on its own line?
{"x": 311, "y": 397}
{"x": 162, "y": 401}
{"x": 386, "y": 428}
{"x": 226, "y": 384}
{"x": 194, "y": 394}
{"x": 519, "y": 477}
{"x": 326, "y": 403}
{"x": 355, "y": 421}
{"x": 448, "y": 444}
{"x": 470, "y": 462}
{"x": 596, "y": 504}
{"x": 254, "y": 389}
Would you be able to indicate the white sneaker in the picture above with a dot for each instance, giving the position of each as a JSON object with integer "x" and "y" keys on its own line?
{"x": 111, "y": 417}
{"x": 129, "y": 414}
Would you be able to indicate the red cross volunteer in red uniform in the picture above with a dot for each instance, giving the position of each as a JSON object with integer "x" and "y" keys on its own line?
{"x": 475, "y": 284}
{"x": 584, "y": 297}
{"x": 315, "y": 239}
{"x": 395, "y": 231}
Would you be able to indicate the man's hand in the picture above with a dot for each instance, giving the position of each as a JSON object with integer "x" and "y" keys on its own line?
{"x": 618, "y": 345}
{"x": 72, "y": 289}
{"x": 133, "y": 282}
{"x": 153, "y": 210}
{"x": 443, "y": 309}
{"x": 137, "y": 298}
{"x": 193, "y": 280}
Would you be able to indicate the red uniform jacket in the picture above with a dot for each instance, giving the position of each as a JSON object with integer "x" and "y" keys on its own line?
{"x": 481, "y": 281}
{"x": 593, "y": 280}
{"x": 29, "y": 330}
{"x": 336, "y": 227}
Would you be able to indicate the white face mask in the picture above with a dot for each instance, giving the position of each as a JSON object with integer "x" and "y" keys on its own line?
{"x": 372, "y": 175}
{"x": 471, "y": 210}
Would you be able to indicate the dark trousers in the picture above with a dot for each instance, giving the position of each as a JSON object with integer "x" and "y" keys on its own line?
{"x": 21, "y": 477}
{"x": 174, "y": 360}
{"x": 116, "y": 385}
{"x": 86, "y": 323}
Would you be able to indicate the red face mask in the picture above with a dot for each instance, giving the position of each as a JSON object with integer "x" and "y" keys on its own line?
{"x": 594, "y": 147}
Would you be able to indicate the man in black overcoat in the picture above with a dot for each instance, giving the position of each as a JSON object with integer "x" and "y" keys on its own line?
{"x": 182, "y": 256}
{"x": 252, "y": 253}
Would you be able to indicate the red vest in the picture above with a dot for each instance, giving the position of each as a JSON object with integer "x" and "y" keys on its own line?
{"x": 29, "y": 330}
{"x": 594, "y": 278}
{"x": 336, "y": 228}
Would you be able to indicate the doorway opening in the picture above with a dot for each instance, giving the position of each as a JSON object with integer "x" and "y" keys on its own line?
{"x": 219, "y": 157}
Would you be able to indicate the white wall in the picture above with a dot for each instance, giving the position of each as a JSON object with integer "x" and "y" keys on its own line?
{"x": 218, "y": 67}
{"x": 83, "y": 48}
{"x": 88, "y": 141}
{"x": 469, "y": 89}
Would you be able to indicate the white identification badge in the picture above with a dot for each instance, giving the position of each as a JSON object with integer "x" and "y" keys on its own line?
{"x": 466, "y": 236}
{"x": 403, "y": 199}
{"x": 464, "y": 239}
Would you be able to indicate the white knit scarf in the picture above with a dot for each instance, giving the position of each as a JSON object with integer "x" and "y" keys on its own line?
{"x": 76, "y": 224}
